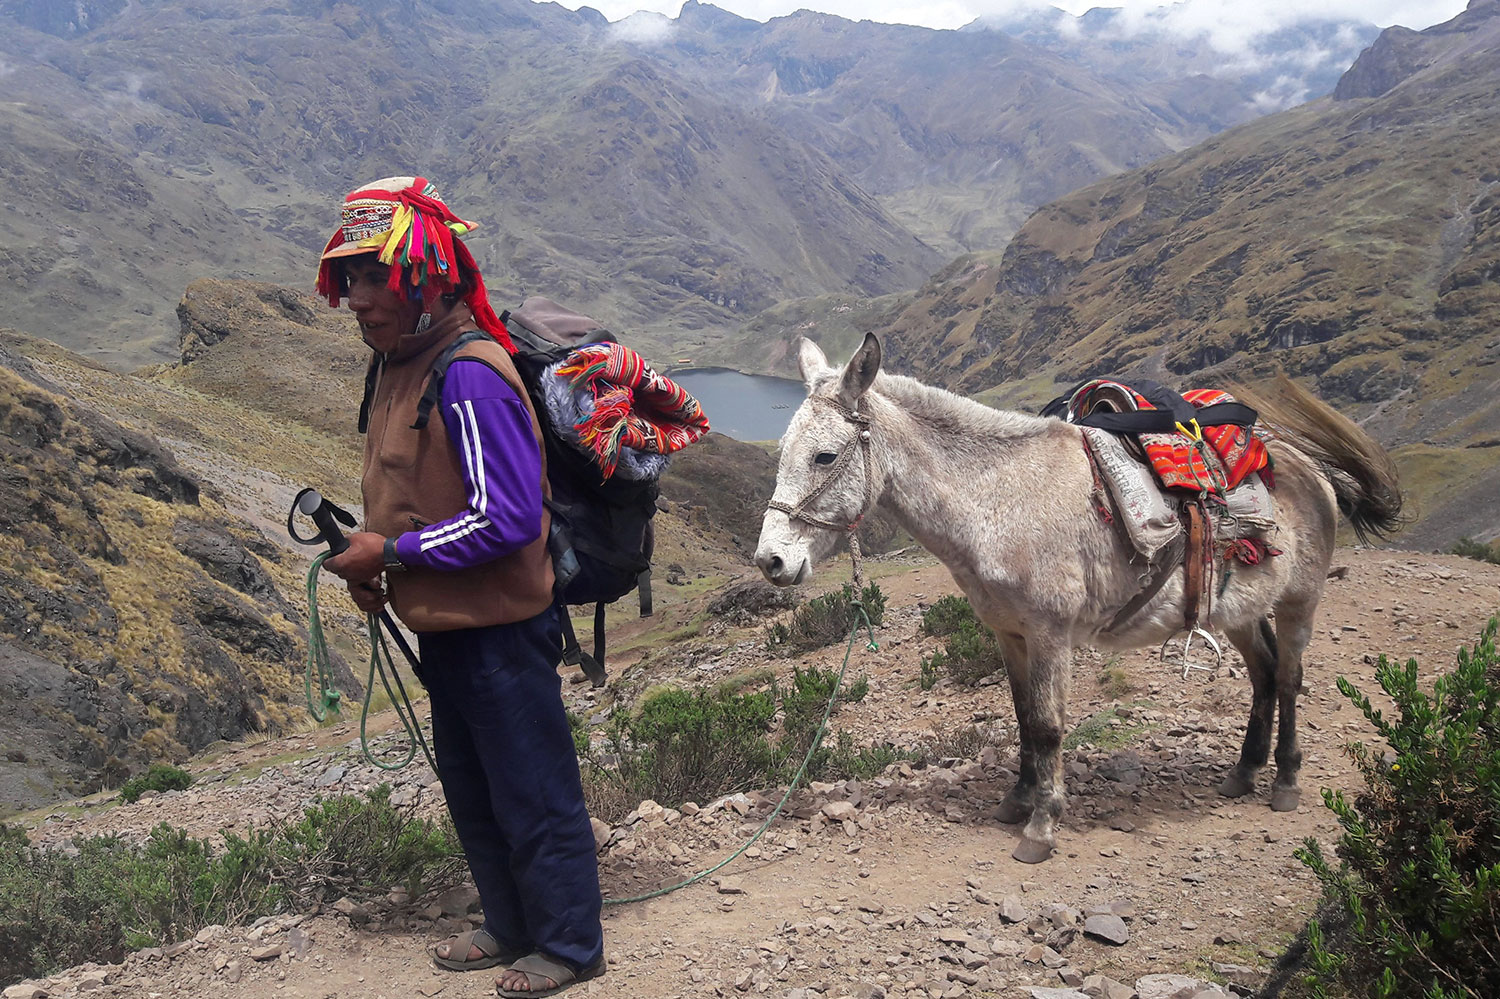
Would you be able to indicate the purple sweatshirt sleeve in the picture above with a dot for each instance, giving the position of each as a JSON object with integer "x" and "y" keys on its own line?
{"x": 502, "y": 468}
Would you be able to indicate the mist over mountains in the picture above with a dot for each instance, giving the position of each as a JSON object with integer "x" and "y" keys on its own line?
{"x": 1179, "y": 50}
{"x": 675, "y": 181}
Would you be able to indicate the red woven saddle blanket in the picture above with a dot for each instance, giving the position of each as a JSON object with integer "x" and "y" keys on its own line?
{"x": 1185, "y": 453}
{"x": 1180, "y": 463}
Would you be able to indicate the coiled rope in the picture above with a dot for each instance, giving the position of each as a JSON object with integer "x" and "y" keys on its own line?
{"x": 380, "y": 662}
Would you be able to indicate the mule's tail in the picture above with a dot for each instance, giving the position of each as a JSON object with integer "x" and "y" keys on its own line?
{"x": 1363, "y": 475}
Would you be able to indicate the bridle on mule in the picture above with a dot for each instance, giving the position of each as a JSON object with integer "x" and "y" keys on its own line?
{"x": 859, "y": 440}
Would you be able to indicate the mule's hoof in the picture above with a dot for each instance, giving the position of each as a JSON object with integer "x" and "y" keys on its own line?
{"x": 1011, "y": 812}
{"x": 1236, "y": 785}
{"x": 1285, "y": 799}
{"x": 1031, "y": 851}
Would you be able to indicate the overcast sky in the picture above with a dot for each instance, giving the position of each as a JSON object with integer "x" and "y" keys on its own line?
{"x": 1225, "y": 20}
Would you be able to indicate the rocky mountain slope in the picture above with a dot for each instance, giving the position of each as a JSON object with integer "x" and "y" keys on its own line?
{"x": 1354, "y": 241}
{"x": 138, "y": 621}
{"x": 674, "y": 182}
{"x": 959, "y": 134}
{"x": 895, "y": 886}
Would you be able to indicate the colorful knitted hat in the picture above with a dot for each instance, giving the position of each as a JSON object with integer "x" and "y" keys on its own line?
{"x": 405, "y": 222}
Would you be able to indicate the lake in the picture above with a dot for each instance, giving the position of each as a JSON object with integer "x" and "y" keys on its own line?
{"x": 745, "y": 407}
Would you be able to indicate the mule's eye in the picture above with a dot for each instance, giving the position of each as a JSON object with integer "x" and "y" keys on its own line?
{"x": 826, "y": 458}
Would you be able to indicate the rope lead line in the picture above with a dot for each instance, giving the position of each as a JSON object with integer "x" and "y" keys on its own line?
{"x": 797, "y": 779}
{"x": 380, "y": 662}
{"x": 317, "y": 651}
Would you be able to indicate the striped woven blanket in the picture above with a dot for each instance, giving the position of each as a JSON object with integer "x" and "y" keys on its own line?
{"x": 1179, "y": 462}
{"x": 1214, "y": 458}
{"x": 628, "y": 406}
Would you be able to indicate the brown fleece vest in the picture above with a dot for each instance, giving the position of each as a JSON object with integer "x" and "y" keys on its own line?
{"x": 413, "y": 478}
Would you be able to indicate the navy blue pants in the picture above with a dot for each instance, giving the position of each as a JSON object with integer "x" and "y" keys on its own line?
{"x": 510, "y": 774}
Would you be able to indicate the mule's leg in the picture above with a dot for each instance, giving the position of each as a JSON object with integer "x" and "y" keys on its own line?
{"x": 1017, "y": 803}
{"x": 1257, "y": 643}
{"x": 1293, "y": 632}
{"x": 1047, "y": 678}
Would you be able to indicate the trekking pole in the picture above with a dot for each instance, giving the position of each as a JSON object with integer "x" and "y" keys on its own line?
{"x": 326, "y": 517}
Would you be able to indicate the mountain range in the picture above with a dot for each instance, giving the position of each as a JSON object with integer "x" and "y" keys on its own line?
{"x": 673, "y": 177}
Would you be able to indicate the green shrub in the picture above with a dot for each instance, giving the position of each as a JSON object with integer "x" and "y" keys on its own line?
{"x": 802, "y": 706}
{"x": 158, "y": 777}
{"x": 946, "y": 615}
{"x": 1414, "y": 907}
{"x": 930, "y": 668}
{"x": 696, "y": 745}
{"x": 113, "y": 896}
{"x": 971, "y": 651}
{"x": 683, "y": 745}
{"x": 1469, "y": 548}
{"x": 825, "y": 620}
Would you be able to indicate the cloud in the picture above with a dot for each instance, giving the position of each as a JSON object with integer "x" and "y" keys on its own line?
{"x": 1286, "y": 92}
{"x": 643, "y": 28}
{"x": 1230, "y": 24}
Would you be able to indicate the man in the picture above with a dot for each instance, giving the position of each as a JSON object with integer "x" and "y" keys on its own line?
{"x": 455, "y": 521}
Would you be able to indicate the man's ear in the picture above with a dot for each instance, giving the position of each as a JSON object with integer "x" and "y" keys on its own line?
{"x": 810, "y": 360}
{"x": 860, "y": 372}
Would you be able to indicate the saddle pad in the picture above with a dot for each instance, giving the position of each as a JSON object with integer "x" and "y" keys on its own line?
{"x": 1149, "y": 514}
{"x": 1179, "y": 464}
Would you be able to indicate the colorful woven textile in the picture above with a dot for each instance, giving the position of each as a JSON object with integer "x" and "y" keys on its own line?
{"x": 1180, "y": 465}
{"x": 634, "y": 406}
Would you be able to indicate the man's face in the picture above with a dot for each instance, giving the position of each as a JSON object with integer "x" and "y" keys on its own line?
{"x": 384, "y": 317}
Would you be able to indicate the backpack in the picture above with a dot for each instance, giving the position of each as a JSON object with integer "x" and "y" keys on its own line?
{"x": 602, "y": 537}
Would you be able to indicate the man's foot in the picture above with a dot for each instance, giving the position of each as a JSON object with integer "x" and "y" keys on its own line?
{"x": 537, "y": 975}
{"x": 470, "y": 951}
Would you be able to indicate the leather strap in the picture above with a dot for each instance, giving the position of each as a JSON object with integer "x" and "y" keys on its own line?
{"x": 1193, "y": 563}
{"x": 1169, "y": 558}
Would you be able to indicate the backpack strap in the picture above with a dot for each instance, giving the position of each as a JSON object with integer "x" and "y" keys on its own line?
{"x": 433, "y": 393}
{"x": 643, "y": 588}
{"x": 643, "y": 581}
{"x": 372, "y": 375}
{"x": 573, "y": 654}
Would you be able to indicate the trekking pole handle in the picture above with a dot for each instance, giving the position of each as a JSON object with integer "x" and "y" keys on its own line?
{"x": 313, "y": 505}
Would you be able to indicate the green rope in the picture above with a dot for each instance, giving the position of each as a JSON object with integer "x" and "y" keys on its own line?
{"x": 797, "y": 779}
{"x": 380, "y": 658}
{"x": 317, "y": 651}
{"x": 380, "y": 662}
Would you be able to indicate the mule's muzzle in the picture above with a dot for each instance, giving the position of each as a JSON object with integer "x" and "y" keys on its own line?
{"x": 776, "y": 570}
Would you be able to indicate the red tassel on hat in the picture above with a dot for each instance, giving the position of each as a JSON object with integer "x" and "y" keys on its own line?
{"x": 426, "y": 253}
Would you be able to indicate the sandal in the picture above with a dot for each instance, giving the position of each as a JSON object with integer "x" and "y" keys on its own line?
{"x": 540, "y": 969}
{"x": 463, "y": 943}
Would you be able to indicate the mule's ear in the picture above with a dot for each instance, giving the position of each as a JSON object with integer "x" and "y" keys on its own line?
{"x": 860, "y": 372}
{"x": 810, "y": 360}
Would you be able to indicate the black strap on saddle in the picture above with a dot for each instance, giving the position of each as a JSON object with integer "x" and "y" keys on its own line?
{"x": 1171, "y": 409}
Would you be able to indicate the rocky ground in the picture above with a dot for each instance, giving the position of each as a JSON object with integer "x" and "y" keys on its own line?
{"x": 899, "y": 885}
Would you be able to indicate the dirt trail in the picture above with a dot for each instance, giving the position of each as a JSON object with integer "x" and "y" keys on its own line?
{"x": 903, "y": 885}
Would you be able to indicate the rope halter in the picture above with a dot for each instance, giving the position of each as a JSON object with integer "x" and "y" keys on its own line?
{"x": 860, "y": 440}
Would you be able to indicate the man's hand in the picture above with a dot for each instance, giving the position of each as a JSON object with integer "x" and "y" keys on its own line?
{"x": 363, "y": 560}
{"x": 368, "y": 596}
